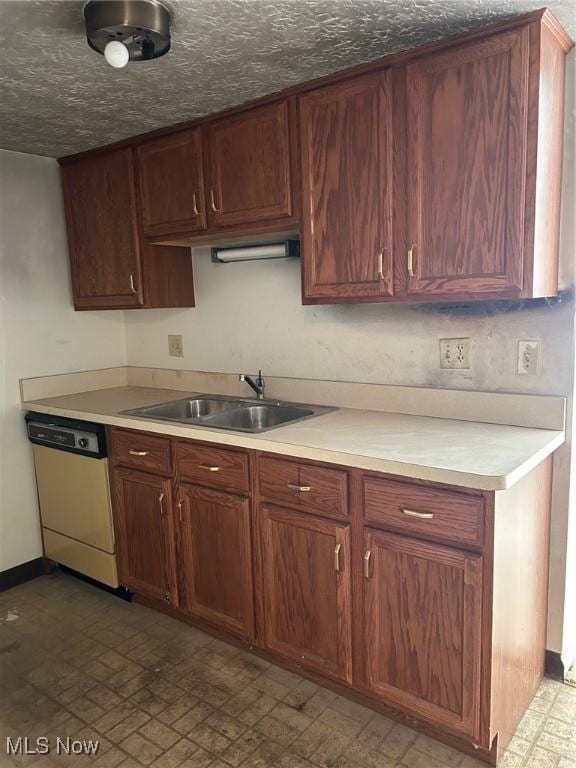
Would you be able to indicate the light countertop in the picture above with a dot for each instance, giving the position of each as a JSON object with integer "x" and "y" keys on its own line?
{"x": 464, "y": 453}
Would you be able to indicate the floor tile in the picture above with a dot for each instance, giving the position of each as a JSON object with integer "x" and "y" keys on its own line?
{"x": 157, "y": 692}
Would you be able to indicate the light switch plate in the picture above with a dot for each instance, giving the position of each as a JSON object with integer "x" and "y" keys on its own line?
{"x": 175, "y": 347}
{"x": 529, "y": 353}
{"x": 455, "y": 354}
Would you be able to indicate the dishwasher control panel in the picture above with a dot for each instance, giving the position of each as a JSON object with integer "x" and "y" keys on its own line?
{"x": 67, "y": 435}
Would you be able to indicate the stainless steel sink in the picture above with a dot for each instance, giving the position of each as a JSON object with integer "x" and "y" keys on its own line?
{"x": 237, "y": 414}
{"x": 185, "y": 410}
{"x": 258, "y": 418}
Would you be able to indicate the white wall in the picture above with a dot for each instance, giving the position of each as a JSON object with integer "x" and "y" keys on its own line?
{"x": 249, "y": 316}
{"x": 40, "y": 334}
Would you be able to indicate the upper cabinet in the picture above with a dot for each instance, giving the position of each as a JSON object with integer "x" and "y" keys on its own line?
{"x": 172, "y": 184}
{"x": 111, "y": 266}
{"x": 100, "y": 199}
{"x": 433, "y": 174}
{"x": 457, "y": 180}
{"x": 346, "y": 144}
{"x": 248, "y": 166}
{"x": 467, "y": 145}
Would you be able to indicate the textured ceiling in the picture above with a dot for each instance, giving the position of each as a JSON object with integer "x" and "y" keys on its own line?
{"x": 57, "y": 96}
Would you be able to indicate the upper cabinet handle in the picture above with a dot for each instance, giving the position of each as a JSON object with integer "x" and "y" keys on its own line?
{"x": 381, "y": 265}
{"x": 195, "y": 204}
{"x": 161, "y": 503}
{"x": 422, "y": 515}
{"x": 366, "y": 558}
{"x": 411, "y": 260}
{"x": 132, "y": 452}
{"x": 213, "y": 201}
{"x": 180, "y": 510}
{"x": 132, "y": 283}
{"x": 337, "y": 549}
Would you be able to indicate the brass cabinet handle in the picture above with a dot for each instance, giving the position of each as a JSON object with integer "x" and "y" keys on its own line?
{"x": 381, "y": 265}
{"x": 132, "y": 452}
{"x": 337, "y": 549}
{"x": 410, "y": 257}
{"x": 367, "y": 556}
{"x": 161, "y": 503}
{"x": 180, "y": 510}
{"x": 132, "y": 283}
{"x": 213, "y": 201}
{"x": 210, "y": 467}
{"x": 414, "y": 513}
{"x": 302, "y": 488}
{"x": 195, "y": 204}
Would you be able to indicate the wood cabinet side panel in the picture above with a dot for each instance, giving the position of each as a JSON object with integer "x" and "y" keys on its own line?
{"x": 520, "y": 598}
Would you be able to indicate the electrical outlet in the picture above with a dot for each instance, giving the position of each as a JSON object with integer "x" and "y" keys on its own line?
{"x": 175, "y": 348}
{"x": 455, "y": 354}
{"x": 529, "y": 357}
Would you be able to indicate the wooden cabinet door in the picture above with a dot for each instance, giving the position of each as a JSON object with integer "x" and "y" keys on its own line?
{"x": 172, "y": 184}
{"x": 422, "y": 612}
{"x": 467, "y": 150}
{"x": 249, "y": 166}
{"x": 215, "y": 556}
{"x": 346, "y": 138}
{"x": 101, "y": 216}
{"x": 143, "y": 525}
{"x": 307, "y": 590}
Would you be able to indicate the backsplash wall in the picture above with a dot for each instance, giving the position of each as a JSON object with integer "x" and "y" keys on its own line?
{"x": 249, "y": 315}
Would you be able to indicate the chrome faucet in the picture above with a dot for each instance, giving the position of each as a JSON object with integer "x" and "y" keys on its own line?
{"x": 257, "y": 385}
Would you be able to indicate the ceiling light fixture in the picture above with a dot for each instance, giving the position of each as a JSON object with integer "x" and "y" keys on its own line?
{"x": 127, "y": 30}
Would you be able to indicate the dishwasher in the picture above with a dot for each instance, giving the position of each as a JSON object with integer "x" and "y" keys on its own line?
{"x": 74, "y": 494}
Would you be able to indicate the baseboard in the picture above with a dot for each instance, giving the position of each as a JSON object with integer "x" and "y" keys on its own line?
{"x": 11, "y": 577}
{"x": 553, "y": 666}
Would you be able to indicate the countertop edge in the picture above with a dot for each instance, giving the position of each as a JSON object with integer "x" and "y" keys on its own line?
{"x": 294, "y": 450}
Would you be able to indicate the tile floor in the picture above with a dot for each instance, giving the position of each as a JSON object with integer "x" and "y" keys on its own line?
{"x": 76, "y": 662}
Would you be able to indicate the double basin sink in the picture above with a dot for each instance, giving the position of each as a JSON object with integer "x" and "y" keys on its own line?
{"x": 237, "y": 414}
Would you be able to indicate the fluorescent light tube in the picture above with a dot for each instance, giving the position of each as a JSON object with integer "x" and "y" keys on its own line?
{"x": 288, "y": 248}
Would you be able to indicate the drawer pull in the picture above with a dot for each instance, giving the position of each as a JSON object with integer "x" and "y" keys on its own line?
{"x": 367, "y": 556}
{"x": 161, "y": 503}
{"x": 132, "y": 452}
{"x": 301, "y": 488}
{"x": 337, "y": 549}
{"x": 421, "y": 515}
{"x": 210, "y": 467}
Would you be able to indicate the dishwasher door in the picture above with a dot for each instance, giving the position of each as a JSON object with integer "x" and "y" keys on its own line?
{"x": 75, "y": 496}
{"x": 76, "y": 513}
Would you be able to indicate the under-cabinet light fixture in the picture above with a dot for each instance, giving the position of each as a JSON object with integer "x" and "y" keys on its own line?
{"x": 285, "y": 249}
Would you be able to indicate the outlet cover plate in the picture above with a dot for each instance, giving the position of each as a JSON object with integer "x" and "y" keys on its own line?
{"x": 529, "y": 353}
{"x": 455, "y": 354}
{"x": 175, "y": 347}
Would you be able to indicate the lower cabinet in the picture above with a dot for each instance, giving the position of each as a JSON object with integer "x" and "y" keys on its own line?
{"x": 431, "y": 631}
{"x": 215, "y": 557}
{"x": 143, "y": 526}
{"x": 422, "y": 628}
{"x": 307, "y": 590}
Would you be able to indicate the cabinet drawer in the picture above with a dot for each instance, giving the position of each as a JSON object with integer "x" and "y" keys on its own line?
{"x": 141, "y": 451}
{"x": 219, "y": 467}
{"x": 304, "y": 486}
{"x": 440, "y": 514}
